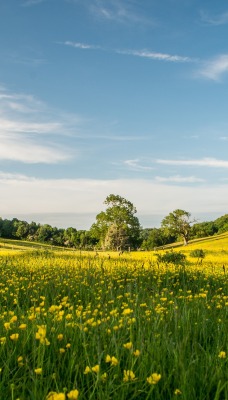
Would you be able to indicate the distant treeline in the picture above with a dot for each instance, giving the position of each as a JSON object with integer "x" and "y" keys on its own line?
{"x": 82, "y": 239}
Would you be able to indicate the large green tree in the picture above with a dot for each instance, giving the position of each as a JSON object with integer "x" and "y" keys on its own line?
{"x": 117, "y": 228}
{"x": 178, "y": 223}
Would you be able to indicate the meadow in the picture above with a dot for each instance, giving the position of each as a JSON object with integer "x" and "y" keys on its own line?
{"x": 103, "y": 326}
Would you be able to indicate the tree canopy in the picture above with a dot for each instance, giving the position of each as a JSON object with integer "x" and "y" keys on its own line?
{"x": 178, "y": 223}
{"x": 117, "y": 228}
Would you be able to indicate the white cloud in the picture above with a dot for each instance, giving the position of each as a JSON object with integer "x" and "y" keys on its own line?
{"x": 138, "y": 53}
{"x": 179, "y": 179}
{"x": 118, "y": 11}
{"x": 205, "y": 162}
{"x": 155, "y": 56}
{"x": 23, "y": 149}
{"x": 216, "y": 20}
{"x": 135, "y": 166}
{"x": 29, "y": 127}
{"x": 214, "y": 69}
{"x": 78, "y": 45}
{"x": 23, "y": 123}
{"x": 21, "y": 195}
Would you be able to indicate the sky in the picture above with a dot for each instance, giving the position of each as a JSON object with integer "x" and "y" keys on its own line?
{"x": 128, "y": 97}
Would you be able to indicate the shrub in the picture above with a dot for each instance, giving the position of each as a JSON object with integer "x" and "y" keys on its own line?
{"x": 197, "y": 253}
{"x": 171, "y": 257}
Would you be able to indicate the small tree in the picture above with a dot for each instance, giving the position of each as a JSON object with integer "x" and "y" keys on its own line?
{"x": 178, "y": 223}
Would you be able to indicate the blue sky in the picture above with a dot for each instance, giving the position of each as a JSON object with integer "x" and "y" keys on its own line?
{"x": 113, "y": 96}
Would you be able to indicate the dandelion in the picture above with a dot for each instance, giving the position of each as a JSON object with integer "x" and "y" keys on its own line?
{"x": 154, "y": 378}
{"x": 73, "y": 394}
{"x": 136, "y": 353}
{"x": 222, "y": 354}
{"x": 60, "y": 336}
{"x": 177, "y": 392}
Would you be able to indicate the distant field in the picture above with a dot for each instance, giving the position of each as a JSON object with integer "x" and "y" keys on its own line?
{"x": 111, "y": 326}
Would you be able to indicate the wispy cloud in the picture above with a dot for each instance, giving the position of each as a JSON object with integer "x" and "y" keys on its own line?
{"x": 24, "y": 150}
{"x": 215, "y": 20}
{"x": 214, "y": 69}
{"x": 179, "y": 179}
{"x": 118, "y": 11}
{"x": 23, "y": 123}
{"x": 156, "y": 56}
{"x": 79, "y": 45}
{"x": 205, "y": 162}
{"x": 135, "y": 166}
{"x": 128, "y": 52}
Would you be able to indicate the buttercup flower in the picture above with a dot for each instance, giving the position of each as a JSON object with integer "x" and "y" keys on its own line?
{"x": 154, "y": 378}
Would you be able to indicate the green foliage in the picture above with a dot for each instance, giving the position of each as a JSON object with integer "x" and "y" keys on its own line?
{"x": 178, "y": 223}
{"x": 198, "y": 253}
{"x": 117, "y": 228}
{"x": 172, "y": 257}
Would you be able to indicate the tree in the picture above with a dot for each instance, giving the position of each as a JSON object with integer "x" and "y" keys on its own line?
{"x": 117, "y": 228}
{"x": 178, "y": 223}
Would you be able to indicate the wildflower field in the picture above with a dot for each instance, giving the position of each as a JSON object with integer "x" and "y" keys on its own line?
{"x": 104, "y": 326}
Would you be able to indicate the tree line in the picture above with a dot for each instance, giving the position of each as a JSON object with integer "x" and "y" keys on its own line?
{"x": 116, "y": 228}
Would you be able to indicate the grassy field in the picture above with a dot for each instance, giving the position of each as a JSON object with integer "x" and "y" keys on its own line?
{"x": 105, "y": 326}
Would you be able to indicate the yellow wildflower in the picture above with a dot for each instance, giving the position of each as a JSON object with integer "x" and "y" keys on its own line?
{"x": 177, "y": 392}
{"x": 22, "y": 326}
{"x": 128, "y": 345}
{"x": 38, "y": 371}
{"x": 7, "y": 325}
{"x": 62, "y": 350}
{"x": 222, "y": 354}
{"x": 87, "y": 370}
{"x": 73, "y": 394}
{"x": 104, "y": 376}
{"x": 96, "y": 368}
{"x": 55, "y": 396}
{"x": 136, "y": 353}
{"x": 108, "y": 358}
{"x": 3, "y": 340}
{"x": 60, "y": 336}
{"x": 128, "y": 376}
{"x": 154, "y": 378}
{"x": 14, "y": 336}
